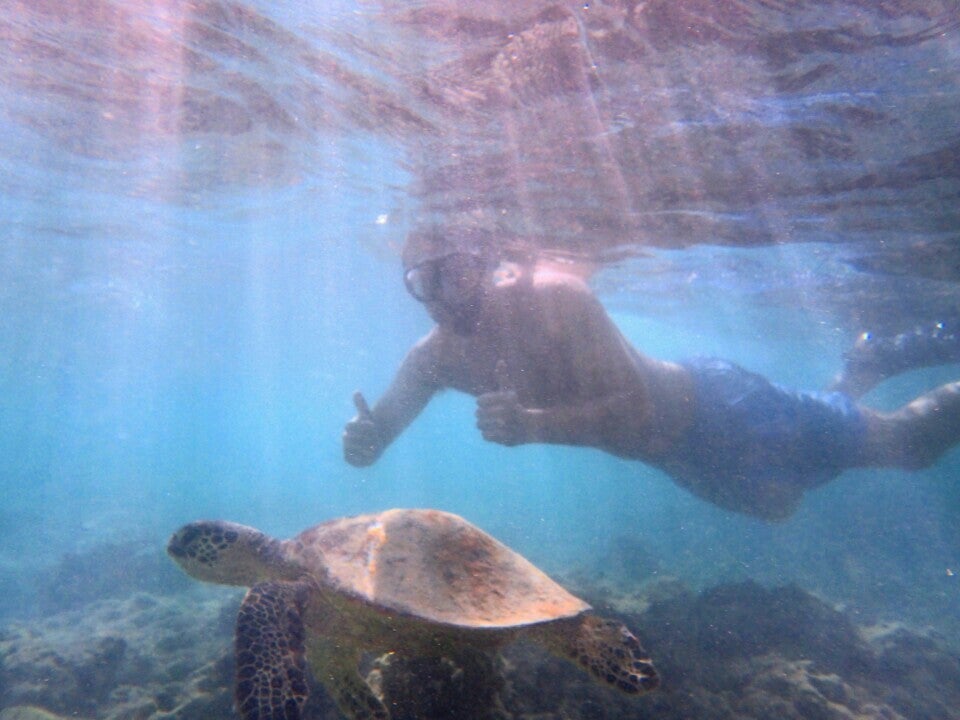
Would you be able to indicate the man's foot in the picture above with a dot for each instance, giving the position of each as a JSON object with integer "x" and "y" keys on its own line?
{"x": 873, "y": 359}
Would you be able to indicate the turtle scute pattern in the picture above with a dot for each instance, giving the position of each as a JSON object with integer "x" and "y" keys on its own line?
{"x": 434, "y": 566}
{"x": 612, "y": 654}
{"x": 204, "y": 544}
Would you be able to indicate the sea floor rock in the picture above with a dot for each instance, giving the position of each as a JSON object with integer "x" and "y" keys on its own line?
{"x": 28, "y": 712}
{"x": 141, "y": 657}
{"x": 731, "y": 652}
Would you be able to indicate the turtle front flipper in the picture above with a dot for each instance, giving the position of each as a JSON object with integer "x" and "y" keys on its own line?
{"x": 271, "y": 669}
{"x": 607, "y": 650}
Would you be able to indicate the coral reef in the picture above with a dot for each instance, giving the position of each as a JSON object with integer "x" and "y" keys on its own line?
{"x": 141, "y": 657}
{"x": 732, "y": 651}
{"x": 28, "y": 712}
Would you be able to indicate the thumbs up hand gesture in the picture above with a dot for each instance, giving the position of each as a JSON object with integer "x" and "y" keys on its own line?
{"x": 362, "y": 441}
{"x": 500, "y": 416}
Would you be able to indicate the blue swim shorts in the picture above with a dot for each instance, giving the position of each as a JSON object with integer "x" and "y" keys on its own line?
{"x": 755, "y": 447}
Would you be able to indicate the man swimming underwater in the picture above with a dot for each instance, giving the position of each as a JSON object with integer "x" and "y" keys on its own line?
{"x": 548, "y": 365}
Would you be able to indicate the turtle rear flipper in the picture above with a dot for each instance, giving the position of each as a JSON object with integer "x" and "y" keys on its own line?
{"x": 354, "y": 697}
{"x": 336, "y": 664}
{"x": 607, "y": 650}
{"x": 271, "y": 669}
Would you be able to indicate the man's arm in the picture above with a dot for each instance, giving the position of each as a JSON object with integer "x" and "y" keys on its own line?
{"x": 613, "y": 423}
{"x": 371, "y": 431}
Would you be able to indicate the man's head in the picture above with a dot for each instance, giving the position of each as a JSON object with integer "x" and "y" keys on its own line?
{"x": 450, "y": 273}
{"x": 434, "y": 241}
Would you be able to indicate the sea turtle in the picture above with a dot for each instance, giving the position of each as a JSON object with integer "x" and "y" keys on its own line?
{"x": 422, "y": 582}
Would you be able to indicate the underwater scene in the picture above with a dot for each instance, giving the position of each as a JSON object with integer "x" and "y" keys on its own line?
{"x": 455, "y": 359}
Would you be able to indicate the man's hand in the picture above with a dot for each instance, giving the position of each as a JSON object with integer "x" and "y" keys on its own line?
{"x": 362, "y": 443}
{"x": 501, "y": 418}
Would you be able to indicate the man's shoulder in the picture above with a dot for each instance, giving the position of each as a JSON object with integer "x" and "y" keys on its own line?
{"x": 552, "y": 278}
{"x": 427, "y": 348}
{"x": 441, "y": 343}
{"x": 567, "y": 294}
{"x": 432, "y": 356}
{"x": 562, "y": 287}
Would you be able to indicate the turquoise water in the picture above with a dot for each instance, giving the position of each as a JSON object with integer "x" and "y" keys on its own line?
{"x": 188, "y": 299}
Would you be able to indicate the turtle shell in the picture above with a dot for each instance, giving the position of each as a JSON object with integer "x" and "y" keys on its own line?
{"x": 431, "y": 565}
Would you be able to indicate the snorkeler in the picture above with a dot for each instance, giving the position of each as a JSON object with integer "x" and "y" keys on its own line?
{"x": 548, "y": 365}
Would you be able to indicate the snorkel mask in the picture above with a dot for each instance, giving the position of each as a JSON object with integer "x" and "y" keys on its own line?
{"x": 448, "y": 277}
{"x": 446, "y": 263}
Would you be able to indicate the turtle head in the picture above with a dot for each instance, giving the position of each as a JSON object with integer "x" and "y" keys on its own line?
{"x": 226, "y": 553}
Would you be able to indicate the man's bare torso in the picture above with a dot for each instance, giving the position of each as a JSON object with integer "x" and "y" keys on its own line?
{"x": 540, "y": 341}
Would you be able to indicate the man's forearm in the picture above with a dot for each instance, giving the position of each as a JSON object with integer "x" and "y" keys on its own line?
{"x": 612, "y": 424}
{"x": 564, "y": 425}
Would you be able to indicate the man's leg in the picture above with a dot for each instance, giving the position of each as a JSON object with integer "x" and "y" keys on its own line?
{"x": 873, "y": 359}
{"x": 917, "y": 434}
